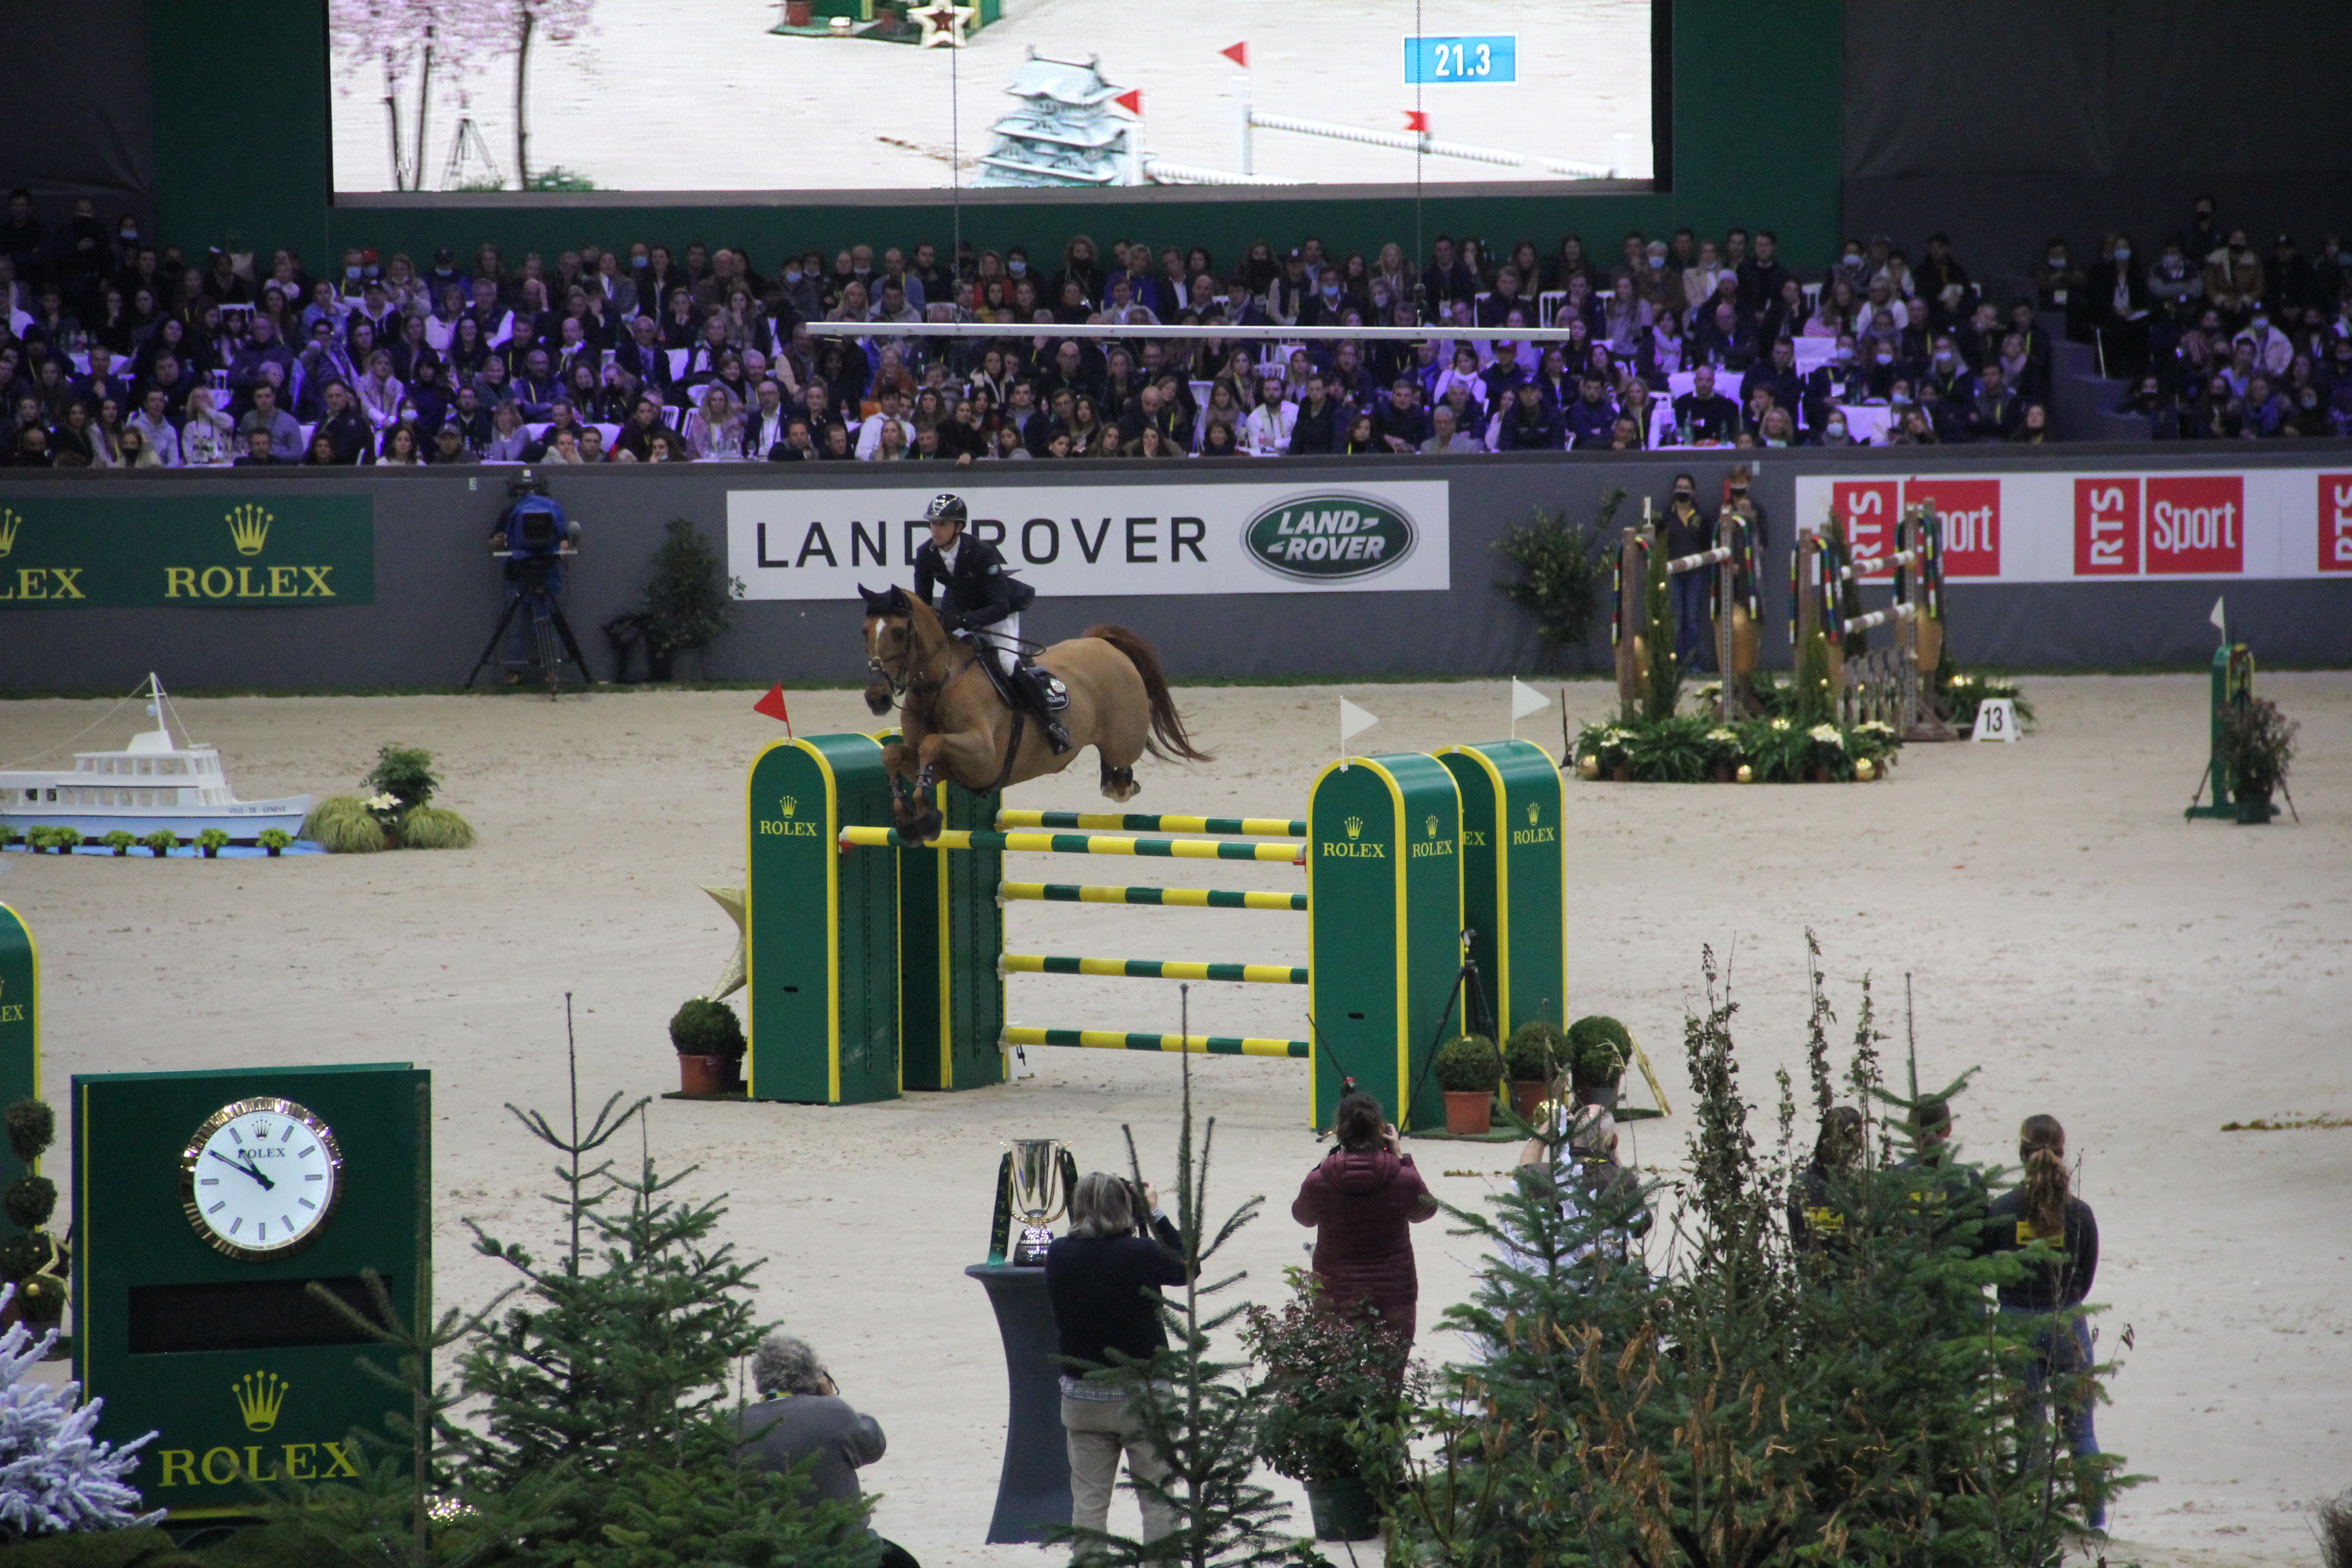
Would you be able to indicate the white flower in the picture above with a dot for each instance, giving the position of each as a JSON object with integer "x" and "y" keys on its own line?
{"x": 1722, "y": 735}
{"x": 1827, "y": 735}
{"x": 385, "y": 802}
{"x": 1779, "y": 723}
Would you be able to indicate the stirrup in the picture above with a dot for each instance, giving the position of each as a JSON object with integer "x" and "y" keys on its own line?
{"x": 1057, "y": 737}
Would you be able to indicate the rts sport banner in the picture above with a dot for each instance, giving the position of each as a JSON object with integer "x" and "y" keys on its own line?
{"x": 2108, "y": 524}
{"x": 1070, "y": 541}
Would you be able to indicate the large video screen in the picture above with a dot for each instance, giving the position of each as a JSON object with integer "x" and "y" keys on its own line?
{"x": 926, "y": 95}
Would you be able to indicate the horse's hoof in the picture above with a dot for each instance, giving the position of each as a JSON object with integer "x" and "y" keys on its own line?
{"x": 924, "y": 829}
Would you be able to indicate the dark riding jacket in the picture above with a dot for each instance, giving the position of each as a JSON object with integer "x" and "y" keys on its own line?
{"x": 978, "y": 590}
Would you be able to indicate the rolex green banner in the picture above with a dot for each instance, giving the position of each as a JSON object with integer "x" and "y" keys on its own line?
{"x": 290, "y": 551}
{"x": 20, "y": 1024}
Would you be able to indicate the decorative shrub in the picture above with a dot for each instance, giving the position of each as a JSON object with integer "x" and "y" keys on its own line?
{"x": 434, "y": 827}
{"x": 161, "y": 842}
{"x": 1561, "y": 569}
{"x": 1327, "y": 1367}
{"x": 31, "y": 1261}
{"x": 2258, "y": 744}
{"x": 62, "y": 840}
{"x": 1538, "y": 1051}
{"x": 1468, "y": 1063}
{"x": 1959, "y": 695}
{"x": 119, "y": 841}
{"x": 404, "y": 772}
{"x": 275, "y": 839}
{"x": 8, "y": 835}
{"x": 689, "y": 598}
{"x": 342, "y": 824}
{"x": 1599, "y": 1049}
{"x": 706, "y": 1029}
{"x": 212, "y": 841}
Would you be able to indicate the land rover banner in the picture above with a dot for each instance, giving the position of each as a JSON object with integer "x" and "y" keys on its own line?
{"x": 1071, "y": 541}
{"x": 285, "y": 551}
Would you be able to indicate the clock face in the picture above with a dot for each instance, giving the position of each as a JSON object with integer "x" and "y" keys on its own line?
{"x": 260, "y": 1178}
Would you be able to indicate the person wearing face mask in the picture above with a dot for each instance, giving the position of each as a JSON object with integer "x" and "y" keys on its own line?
{"x": 1881, "y": 370}
{"x": 2059, "y": 284}
{"x": 1685, "y": 530}
{"x": 1838, "y": 381}
{"x": 2119, "y": 304}
{"x": 2234, "y": 279}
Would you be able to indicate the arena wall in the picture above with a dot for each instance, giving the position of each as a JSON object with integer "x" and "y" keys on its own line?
{"x": 436, "y": 593}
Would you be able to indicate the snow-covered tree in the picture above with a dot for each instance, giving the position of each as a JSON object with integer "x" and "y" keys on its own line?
{"x": 54, "y": 1476}
{"x": 412, "y": 40}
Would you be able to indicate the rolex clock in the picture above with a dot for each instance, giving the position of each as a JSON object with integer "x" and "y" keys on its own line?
{"x": 260, "y": 1178}
{"x": 231, "y": 1275}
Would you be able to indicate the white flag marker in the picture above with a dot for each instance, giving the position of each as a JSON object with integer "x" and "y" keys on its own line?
{"x": 2220, "y": 622}
{"x": 1524, "y": 700}
{"x": 1353, "y": 721}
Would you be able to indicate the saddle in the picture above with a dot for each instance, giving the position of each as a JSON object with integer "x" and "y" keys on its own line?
{"x": 1058, "y": 696}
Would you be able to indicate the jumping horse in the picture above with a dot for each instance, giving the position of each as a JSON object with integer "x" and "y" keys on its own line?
{"x": 953, "y": 724}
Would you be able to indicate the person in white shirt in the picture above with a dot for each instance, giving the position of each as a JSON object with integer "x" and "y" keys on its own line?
{"x": 1446, "y": 434}
{"x": 380, "y": 392}
{"x": 1266, "y": 431}
{"x": 892, "y": 412}
{"x": 205, "y": 440}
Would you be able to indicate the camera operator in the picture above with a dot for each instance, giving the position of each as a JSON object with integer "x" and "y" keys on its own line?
{"x": 1103, "y": 1280}
{"x": 535, "y": 536}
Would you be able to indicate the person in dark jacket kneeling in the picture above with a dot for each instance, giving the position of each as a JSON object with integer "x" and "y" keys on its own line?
{"x": 1360, "y": 1199}
{"x": 800, "y": 1414}
{"x": 1102, "y": 1280}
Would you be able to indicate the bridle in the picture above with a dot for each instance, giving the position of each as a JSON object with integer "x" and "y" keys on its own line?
{"x": 904, "y": 683}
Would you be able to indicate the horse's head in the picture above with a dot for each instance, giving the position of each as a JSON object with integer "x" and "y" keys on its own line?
{"x": 889, "y": 645}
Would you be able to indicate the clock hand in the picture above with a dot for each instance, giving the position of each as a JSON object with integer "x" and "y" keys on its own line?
{"x": 242, "y": 1165}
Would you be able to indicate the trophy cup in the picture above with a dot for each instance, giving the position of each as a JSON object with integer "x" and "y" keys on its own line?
{"x": 1033, "y": 1184}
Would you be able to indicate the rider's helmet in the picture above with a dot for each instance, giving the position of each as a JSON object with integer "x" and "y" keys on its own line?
{"x": 945, "y": 508}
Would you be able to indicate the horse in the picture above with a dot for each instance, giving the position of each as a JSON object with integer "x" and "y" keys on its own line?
{"x": 954, "y": 723}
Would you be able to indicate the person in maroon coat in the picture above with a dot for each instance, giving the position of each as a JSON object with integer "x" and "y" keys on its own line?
{"x": 1360, "y": 1199}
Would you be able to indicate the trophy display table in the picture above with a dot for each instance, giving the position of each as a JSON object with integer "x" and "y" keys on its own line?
{"x": 1032, "y": 1493}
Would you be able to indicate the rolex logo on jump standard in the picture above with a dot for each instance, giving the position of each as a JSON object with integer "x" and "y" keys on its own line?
{"x": 789, "y": 804}
{"x": 1355, "y": 827}
{"x": 248, "y": 527}
{"x": 9, "y": 523}
{"x": 259, "y": 1396}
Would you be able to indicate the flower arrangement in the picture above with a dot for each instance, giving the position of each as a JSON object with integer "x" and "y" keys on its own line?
{"x": 1775, "y": 749}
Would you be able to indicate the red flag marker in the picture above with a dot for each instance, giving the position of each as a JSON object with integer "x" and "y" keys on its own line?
{"x": 1131, "y": 101}
{"x": 1238, "y": 53}
{"x": 1415, "y": 119}
{"x": 773, "y": 705}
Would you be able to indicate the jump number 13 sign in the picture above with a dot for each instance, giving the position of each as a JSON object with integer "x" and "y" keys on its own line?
{"x": 1456, "y": 61}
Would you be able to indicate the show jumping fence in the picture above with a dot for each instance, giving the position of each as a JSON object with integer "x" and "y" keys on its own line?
{"x": 1893, "y": 684}
{"x": 1733, "y": 606}
{"x": 876, "y": 965}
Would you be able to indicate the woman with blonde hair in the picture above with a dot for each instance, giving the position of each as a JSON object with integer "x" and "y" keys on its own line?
{"x": 1103, "y": 1280}
{"x": 2044, "y": 1209}
{"x": 204, "y": 440}
{"x": 715, "y": 430}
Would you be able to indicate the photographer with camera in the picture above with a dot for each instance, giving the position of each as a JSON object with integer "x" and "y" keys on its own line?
{"x": 1362, "y": 1201}
{"x": 533, "y": 540}
{"x": 1103, "y": 1280}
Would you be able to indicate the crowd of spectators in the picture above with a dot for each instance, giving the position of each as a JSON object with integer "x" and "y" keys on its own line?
{"x": 115, "y": 352}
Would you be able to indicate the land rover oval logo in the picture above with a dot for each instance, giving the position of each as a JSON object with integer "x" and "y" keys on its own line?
{"x": 1323, "y": 538}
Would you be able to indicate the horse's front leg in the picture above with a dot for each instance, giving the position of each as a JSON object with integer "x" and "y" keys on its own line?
{"x": 918, "y": 818}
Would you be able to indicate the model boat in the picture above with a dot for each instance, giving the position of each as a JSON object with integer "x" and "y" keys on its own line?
{"x": 160, "y": 781}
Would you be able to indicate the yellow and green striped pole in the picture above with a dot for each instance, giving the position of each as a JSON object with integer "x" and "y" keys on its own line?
{"x": 1081, "y": 844}
{"x": 1151, "y": 969}
{"x": 1199, "y": 1045}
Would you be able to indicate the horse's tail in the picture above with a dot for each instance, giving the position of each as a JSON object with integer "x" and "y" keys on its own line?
{"x": 1167, "y": 738}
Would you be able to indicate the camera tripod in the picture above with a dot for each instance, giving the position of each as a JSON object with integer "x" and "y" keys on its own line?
{"x": 548, "y": 627}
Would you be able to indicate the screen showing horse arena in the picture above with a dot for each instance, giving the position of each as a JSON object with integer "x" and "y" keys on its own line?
{"x": 926, "y": 95}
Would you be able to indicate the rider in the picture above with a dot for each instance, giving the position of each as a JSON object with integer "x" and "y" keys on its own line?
{"x": 982, "y": 600}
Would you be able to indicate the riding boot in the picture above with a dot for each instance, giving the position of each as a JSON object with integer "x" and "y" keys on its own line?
{"x": 1032, "y": 685}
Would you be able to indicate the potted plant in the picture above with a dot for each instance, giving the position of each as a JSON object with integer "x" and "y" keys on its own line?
{"x": 1536, "y": 1056}
{"x": 2257, "y": 745}
{"x": 64, "y": 840}
{"x": 32, "y": 1260}
{"x": 1328, "y": 1367}
{"x": 1599, "y": 1049}
{"x": 1469, "y": 1068}
{"x": 161, "y": 842}
{"x": 8, "y": 836}
{"x": 709, "y": 1042}
{"x": 691, "y": 599}
{"x": 275, "y": 840}
{"x": 119, "y": 842}
{"x": 212, "y": 841}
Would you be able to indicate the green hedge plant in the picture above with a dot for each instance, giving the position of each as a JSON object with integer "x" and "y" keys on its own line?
{"x": 1468, "y": 1063}
{"x": 434, "y": 827}
{"x": 212, "y": 841}
{"x": 1599, "y": 1049}
{"x": 342, "y": 824}
{"x": 706, "y": 1029}
{"x": 275, "y": 839}
{"x": 1536, "y": 1053}
{"x": 161, "y": 842}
